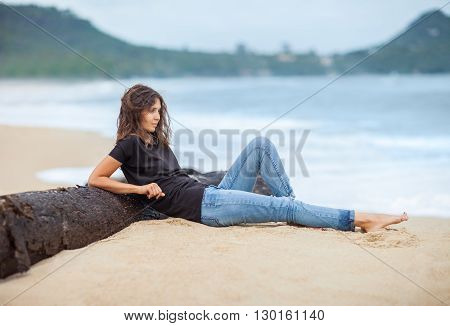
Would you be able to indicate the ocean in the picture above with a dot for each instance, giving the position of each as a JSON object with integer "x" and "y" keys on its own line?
{"x": 376, "y": 143}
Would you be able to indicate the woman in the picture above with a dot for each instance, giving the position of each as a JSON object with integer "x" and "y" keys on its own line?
{"x": 142, "y": 152}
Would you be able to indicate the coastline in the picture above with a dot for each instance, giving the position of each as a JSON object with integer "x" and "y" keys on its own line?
{"x": 179, "y": 262}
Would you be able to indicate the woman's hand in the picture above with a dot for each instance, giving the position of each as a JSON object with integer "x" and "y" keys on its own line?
{"x": 151, "y": 190}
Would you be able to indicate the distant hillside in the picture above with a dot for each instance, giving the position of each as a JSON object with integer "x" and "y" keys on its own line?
{"x": 26, "y": 51}
{"x": 423, "y": 49}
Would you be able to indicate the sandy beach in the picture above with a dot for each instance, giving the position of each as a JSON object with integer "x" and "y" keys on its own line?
{"x": 178, "y": 262}
{"x": 26, "y": 151}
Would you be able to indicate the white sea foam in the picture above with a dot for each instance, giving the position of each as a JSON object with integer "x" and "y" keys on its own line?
{"x": 70, "y": 175}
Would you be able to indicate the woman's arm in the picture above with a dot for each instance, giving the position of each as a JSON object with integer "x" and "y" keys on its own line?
{"x": 100, "y": 178}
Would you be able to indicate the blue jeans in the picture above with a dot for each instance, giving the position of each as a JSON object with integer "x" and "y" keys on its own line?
{"x": 232, "y": 202}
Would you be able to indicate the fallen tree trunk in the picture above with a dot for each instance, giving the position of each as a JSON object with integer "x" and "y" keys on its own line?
{"x": 38, "y": 224}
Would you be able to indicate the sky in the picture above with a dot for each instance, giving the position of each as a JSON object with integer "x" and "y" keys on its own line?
{"x": 323, "y": 26}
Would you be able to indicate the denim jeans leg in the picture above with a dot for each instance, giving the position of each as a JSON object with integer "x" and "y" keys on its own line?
{"x": 260, "y": 156}
{"x": 326, "y": 217}
{"x": 224, "y": 207}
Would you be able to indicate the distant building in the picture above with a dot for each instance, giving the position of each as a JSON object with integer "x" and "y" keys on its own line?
{"x": 286, "y": 48}
{"x": 241, "y": 49}
{"x": 286, "y": 54}
{"x": 283, "y": 57}
{"x": 326, "y": 61}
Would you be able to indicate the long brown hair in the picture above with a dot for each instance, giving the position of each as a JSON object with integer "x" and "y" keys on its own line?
{"x": 134, "y": 101}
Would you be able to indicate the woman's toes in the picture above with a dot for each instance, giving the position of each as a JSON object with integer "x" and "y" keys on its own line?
{"x": 404, "y": 217}
{"x": 397, "y": 219}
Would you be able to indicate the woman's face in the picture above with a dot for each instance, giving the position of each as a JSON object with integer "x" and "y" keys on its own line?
{"x": 150, "y": 116}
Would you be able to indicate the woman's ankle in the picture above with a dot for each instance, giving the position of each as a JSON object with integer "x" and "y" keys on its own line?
{"x": 361, "y": 218}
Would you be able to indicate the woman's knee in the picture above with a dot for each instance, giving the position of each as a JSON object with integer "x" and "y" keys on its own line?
{"x": 261, "y": 142}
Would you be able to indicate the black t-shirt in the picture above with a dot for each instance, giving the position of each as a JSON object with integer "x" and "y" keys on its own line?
{"x": 157, "y": 163}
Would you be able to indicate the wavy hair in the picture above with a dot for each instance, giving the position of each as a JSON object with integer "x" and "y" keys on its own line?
{"x": 136, "y": 99}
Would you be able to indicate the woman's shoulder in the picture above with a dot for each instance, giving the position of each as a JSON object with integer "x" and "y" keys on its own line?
{"x": 128, "y": 139}
{"x": 135, "y": 140}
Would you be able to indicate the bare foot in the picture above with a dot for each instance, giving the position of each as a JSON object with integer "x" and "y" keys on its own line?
{"x": 370, "y": 222}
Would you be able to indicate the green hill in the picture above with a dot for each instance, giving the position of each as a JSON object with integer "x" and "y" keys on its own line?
{"x": 27, "y": 51}
{"x": 423, "y": 49}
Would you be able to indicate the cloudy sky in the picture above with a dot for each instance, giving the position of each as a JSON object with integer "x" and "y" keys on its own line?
{"x": 325, "y": 26}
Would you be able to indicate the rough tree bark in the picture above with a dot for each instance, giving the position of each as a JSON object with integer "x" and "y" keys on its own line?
{"x": 36, "y": 225}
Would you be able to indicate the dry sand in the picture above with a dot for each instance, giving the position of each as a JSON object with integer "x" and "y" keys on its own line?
{"x": 25, "y": 151}
{"x": 178, "y": 262}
